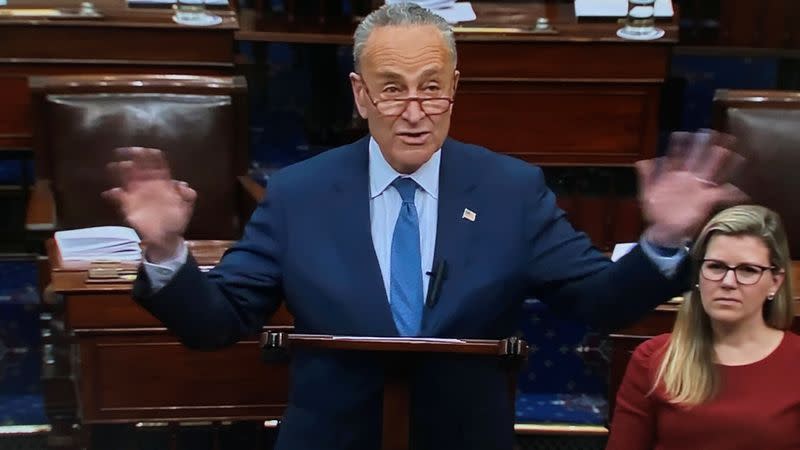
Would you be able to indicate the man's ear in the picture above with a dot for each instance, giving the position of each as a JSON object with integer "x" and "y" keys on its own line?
{"x": 456, "y": 76}
{"x": 359, "y": 96}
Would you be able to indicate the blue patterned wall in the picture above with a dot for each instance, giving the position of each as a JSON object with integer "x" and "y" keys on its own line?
{"x": 565, "y": 377}
{"x": 20, "y": 352}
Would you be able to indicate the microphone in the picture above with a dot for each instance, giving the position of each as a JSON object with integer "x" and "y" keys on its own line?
{"x": 439, "y": 273}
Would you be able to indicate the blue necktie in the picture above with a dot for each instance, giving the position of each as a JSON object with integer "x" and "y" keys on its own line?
{"x": 405, "y": 292}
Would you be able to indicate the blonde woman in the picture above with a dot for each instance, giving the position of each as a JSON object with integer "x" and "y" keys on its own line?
{"x": 728, "y": 375}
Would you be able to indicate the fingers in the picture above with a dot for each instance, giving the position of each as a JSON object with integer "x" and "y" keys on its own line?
{"x": 707, "y": 155}
{"x": 711, "y": 164}
{"x": 680, "y": 143}
{"x": 118, "y": 197}
{"x": 696, "y": 158}
{"x": 734, "y": 164}
{"x": 148, "y": 158}
{"x": 121, "y": 173}
{"x": 138, "y": 164}
{"x": 720, "y": 162}
{"x": 113, "y": 195}
{"x": 187, "y": 194}
{"x": 645, "y": 171}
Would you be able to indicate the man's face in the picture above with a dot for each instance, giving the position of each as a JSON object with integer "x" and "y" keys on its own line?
{"x": 400, "y": 62}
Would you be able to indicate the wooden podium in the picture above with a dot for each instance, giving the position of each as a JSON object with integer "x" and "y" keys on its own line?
{"x": 400, "y": 355}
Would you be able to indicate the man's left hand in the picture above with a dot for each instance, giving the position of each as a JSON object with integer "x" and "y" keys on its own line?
{"x": 680, "y": 191}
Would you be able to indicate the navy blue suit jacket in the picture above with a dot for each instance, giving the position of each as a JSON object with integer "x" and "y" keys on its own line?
{"x": 309, "y": 244}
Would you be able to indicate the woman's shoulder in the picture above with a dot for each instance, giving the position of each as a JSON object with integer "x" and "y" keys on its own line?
{"x": 651, "y": 349}
{"x": 792, "y": 341}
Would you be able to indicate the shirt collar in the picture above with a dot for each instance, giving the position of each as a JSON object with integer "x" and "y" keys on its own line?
{"x": 381, "y": 174}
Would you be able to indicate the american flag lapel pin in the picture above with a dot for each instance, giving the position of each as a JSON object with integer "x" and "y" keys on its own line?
{"x": 469, "y": 215}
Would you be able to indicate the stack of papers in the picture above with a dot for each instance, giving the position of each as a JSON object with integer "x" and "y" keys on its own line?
{"x": 99, "y": 244}
{"x": 451, "y": 11}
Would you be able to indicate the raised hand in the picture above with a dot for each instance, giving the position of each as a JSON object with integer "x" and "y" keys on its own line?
{"x": 156, "y": 206}
{"x": 680, "y": 191}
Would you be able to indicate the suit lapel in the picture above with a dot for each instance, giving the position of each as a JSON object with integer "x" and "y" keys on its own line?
{"x": 352, "y": 231}
{"x": 457, "y": 182}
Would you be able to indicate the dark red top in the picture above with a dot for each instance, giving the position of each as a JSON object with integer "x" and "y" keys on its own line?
{"x": 757, "y": 408}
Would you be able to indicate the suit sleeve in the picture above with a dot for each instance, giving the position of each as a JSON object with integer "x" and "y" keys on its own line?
{"x": 569, "y": 274}
{"x": 208, "y": 311}
{"x": 633, "y": 423}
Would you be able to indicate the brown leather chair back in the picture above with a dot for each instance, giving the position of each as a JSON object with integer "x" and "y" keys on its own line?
{"x": 199, "y": 122}
{"x": 767, "y": 127}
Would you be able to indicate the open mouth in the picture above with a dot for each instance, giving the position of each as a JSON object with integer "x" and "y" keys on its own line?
{"x": 417, "y": 137}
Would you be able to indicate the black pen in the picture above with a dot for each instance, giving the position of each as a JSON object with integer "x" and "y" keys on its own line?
{"x": 439, "y": 272}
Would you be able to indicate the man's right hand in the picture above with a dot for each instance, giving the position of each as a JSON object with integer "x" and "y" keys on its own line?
{"x": 156, "y": 206}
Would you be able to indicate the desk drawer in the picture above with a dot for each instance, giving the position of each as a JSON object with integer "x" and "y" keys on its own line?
{"x": 153, "y": 377}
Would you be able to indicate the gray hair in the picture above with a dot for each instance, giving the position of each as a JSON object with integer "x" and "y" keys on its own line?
{"x": 401, "y": 14}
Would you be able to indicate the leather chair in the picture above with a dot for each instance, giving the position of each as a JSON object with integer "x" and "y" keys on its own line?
{"x": 767, "y": 127}
{"x": 199, "y": 122}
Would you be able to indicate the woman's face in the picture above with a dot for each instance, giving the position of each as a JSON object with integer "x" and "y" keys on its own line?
{"x": 737, "y": 296}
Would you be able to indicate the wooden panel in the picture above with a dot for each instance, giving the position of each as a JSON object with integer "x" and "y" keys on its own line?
{"x": 559, "y": 123}
{"x": 627, "y": 223}
{"x": 198, "y": 47}
{"x": 118, "y": 310}
{"x": 739, "y": 22}
{"x": 607, "y": 220}
{"x": 15, "y": 114}
{"x": 590, "y": 215}
{"x": 563, "y": 60}
{"x": 154, "y": 377}
{"x": 790, "y": 25}
{"x": 773, "y": 30}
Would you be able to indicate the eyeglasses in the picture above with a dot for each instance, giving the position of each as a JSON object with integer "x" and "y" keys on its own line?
{"x": 431, "y": 106}
{"x": 745, "y": 274}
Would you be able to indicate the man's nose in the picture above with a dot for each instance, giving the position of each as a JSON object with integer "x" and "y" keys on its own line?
{"x": 414, "y": 112}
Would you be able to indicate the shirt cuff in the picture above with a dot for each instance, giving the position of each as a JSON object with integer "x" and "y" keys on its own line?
{"x": 667, "y": 259}
{"x": 160, "y": 274}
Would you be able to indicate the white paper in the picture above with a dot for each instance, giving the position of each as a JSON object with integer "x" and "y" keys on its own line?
{"x": 449, "y": 10}
{"x": 99, "y": 243}
{"x": 622, "y": 249}
{"x": 459, "y": 12}
{"x": 617, "y": 8}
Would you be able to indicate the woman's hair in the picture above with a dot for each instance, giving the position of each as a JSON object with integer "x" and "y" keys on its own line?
{"x": 687, "y": 370}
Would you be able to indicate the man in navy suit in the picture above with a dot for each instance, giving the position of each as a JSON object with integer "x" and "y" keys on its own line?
{"x": 348, "y": 238}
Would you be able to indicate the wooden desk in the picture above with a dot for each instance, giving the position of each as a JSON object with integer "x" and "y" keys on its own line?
{"x": 579, "y": 96}
{"x": 660, "y": 321}
{"x": 107, "y": 360}
{"x": 124, "y": 40}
